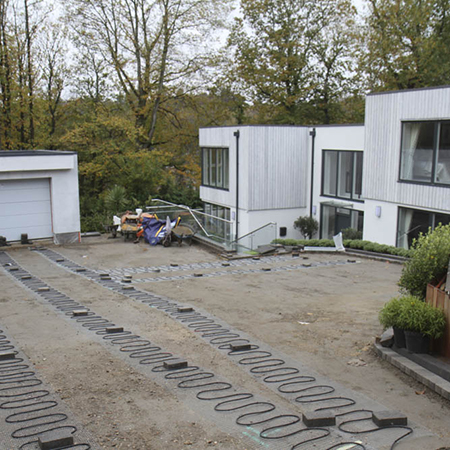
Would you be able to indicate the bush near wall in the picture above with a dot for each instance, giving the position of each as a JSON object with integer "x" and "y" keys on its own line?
{"x": 348, "y": 243}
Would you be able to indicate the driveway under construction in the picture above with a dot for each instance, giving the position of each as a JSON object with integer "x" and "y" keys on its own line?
{"x": 107, "y": 344}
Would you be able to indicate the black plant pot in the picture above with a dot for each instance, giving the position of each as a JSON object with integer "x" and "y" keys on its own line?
{"x": 417, "y": 342}
{"x": 399, "y": 337}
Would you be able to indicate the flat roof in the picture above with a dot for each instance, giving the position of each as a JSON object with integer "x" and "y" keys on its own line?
{"x": 285, "y": 126}
{"x": 402, "y": 91}
{"x": 34, "y": 153}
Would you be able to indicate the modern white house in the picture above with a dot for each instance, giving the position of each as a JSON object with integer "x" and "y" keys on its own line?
{"x": 389, "y": 178}
{"x": 39, "y": 195}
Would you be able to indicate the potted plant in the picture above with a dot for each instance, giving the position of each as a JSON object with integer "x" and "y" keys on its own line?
{"x": 421, "y": 323}
{"x": 390, "y": 316}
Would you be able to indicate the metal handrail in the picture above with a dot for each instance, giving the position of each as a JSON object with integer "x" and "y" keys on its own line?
{"x": 186, "y": 208}
{"x": 253, "y": 232}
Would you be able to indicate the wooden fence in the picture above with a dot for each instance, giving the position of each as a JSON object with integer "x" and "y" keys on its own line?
{"x": 439, "y": 299}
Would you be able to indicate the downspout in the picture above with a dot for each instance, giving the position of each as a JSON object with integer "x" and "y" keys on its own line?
{"x": 312, "y": 133}
{"x": 236, "y": 134}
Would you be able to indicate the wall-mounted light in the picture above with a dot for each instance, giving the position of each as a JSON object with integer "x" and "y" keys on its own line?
{"x": 378, "y": 211}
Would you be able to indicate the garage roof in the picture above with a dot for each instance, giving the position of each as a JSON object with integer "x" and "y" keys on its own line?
{"x": 34, "y": 153}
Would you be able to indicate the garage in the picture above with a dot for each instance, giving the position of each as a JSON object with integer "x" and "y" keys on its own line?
{"x": 39, "y": 195}
{"x": 25, "y": 208}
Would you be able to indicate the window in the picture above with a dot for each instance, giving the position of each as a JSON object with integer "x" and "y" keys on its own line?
{"x": 335, "y": 219}
{"x": 411, "y": 222}
{"x": 425, "y": 152}
{"x": 342, "y": 174}
{"x": 215, "y": 167}
{"x": 214, "y": 225}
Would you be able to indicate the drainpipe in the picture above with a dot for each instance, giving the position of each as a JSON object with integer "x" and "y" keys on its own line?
{"x": 312, "y": 133}
{"x": 236, "y": 135}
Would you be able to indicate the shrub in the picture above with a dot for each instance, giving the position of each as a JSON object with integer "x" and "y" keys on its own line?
{"x": 429, "y": 261}
{"x": 390, "y": 313}
{"x": 418, "y": 316}
{"x": 351, "y": 233}
{"x": 307, "y": 225}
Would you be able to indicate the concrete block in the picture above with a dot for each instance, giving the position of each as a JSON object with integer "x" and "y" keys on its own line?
{"x": 104, "y": 274}
{"x": 266, "y": 269}
{"x": 173, "y": 265}
{"x": 126, "y": 280}
{"x": 105, "y": 278}
{"x": 128, "y": 277}
{"x": 226, "y": 264}
{"x": 319, "y": 419}
{"x": 185, "y": 309}
{"x": 351, "y": 261}
{"x": 295, "y": 254}
{"x": 55, "y": 439}
{"x": 59, "y": 259}
{"x": 80, "y": 269}
{"x": 306, "y": 264}
{"x": 156, "y": 270}
{"x": 13, "y": 269}
{"x": 80, "y": 312}
{"x": 7, "y": 355}
{"x": 198, "y": 275}
{"x": 389, "y": 418}
{"x": 175, "y": 364}
{"x": 256, "y": 258}
{"x": 241, "y": 347}
{"x": 26, "y": 277}
{"x": 127, "y": 288}
{"x": 43, "y": 289}
{"x": 387, "y": 338}
{"x": 111, "y": 330}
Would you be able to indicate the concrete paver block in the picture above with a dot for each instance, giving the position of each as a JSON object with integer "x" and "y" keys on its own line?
{"x": 241, "y": 347}
{"x": 175, "y": 364}
{"x": 7, "y": 355}
{"x": 319, "y": 419}
{"x": 389, "y": 418}
{"x": 43, "y": 289}
{"x": 55, "y": 439}
{"x": 111, "y": 330}
{"x": 80, "y": 312}
{"x": 185, "y": 309}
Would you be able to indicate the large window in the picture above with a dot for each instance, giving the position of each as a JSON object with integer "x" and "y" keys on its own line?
{"x": 214, "y": 225}
{"x": 411, "y": 222}
{"x": 335, "y": 219}
{"x": 342, "y": 174}
{"x": 425, "y": 154}
{"x": 215, "y": 167}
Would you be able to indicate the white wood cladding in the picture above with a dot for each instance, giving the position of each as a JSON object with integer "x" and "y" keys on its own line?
{"x": 384, "y": 116}
{"x": 273, "y": 166}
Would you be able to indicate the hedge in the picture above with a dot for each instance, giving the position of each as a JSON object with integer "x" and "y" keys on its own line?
{"x": 358, "y": 244}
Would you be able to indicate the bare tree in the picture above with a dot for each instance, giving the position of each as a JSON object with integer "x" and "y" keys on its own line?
{"x": 156, "y": 48}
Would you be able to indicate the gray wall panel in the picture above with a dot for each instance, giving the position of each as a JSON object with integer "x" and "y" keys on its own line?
{"x": 384, "y": 115}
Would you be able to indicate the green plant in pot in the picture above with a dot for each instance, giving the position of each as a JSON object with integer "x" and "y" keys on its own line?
{"x": 421, "y": 323}
{"x": 390, "y": 316}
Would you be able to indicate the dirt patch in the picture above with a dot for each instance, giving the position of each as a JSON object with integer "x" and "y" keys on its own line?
{"x": 325, "y": 317}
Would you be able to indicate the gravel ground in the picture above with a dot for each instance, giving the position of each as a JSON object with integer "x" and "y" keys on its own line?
{"x": 325, "y": 317}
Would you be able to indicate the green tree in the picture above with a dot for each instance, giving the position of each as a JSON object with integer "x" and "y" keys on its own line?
{"x": 294, "y": 55}
{"x": 407, "y": 44}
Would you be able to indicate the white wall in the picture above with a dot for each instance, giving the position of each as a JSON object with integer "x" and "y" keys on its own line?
{"x": 381, "y": 229}
{"x": 334, "y": 137}
{"x": 62, "y": 170}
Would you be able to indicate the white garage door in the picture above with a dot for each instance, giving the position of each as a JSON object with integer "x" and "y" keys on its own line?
{"x": 25, "y": 208}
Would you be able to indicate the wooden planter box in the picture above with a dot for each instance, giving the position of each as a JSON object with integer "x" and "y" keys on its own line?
{"x": 439, "y": 299}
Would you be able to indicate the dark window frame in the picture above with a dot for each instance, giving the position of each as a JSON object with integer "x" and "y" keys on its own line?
{"x": 431, "y": 221}
{"x": 351, "y": 212}
{"x": 224, "y": 172}
{"x": 437, "y": 130}
{"x": 354, "y": 180}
